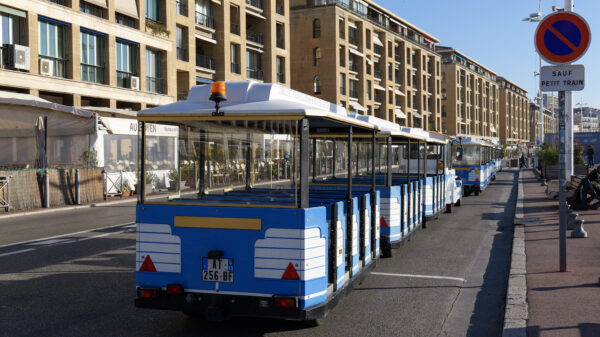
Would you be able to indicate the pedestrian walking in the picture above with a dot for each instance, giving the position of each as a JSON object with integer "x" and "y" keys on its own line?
{"x": 590, "y": 156}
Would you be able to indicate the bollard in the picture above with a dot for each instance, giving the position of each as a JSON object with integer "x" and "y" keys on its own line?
{"x": 47, "y": 189}
{"x": 579, "y": 232}
{"x": 77, "y": 191}
{"x": 571, "y": 220}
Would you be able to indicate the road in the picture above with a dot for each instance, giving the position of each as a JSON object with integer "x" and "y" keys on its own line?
{"x": 449, "y": 280}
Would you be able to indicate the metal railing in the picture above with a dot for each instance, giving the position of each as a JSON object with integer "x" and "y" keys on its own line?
{"x": 255, "y": 3}
{"x": 181, "y": 7}
{"x": 204, "y": 61}
{"x": 254, "y": 73}
{"x": 377, "y": 49}
{"x": 155, "y": 84}
{"x": 182, "y": 54}
{"x": 377, "y": 73}
{"x": 234, "y": 29}
{"x": 353, "y": 67}
{"x": 205, "y": 20}
{"x": 378, "y": 99}
{"x": 253, "y": 36}
{"x": 92, "y": 73}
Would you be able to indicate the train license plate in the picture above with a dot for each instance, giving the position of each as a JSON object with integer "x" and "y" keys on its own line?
{"x": 217, "y": 270}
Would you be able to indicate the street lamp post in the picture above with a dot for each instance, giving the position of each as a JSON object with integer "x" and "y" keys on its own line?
{"x": 537, "y": 17}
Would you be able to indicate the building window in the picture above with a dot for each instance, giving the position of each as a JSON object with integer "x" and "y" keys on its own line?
{"x": 181, "y": 7}
{"x": 92, "y": 9}
{"x": 153, "y": 71}
{"x": 352, "y": 85}
{"x": 203, "y": 14}
{"x": 125, "y": 20}
{"x": 342, "y": 56}
{"x": 126, "y": 62}
{"x": 342, "y": 27}
{"x": 181, "y": 37}
{"x": 235, "y": 58}
{"x": 369, "y": 89}
{"x": 152, "y": 10}
{"x": 52, "y": 46}
{"x": 316, "y": 85}
{"x": 316, "y": 28}
{"x": 316, "y": 56}
{"x": 352, "y": 38}
{"x": 280, "y": 32}
{"x": 280, "y": 69}
{"x": 92, "y": 56}
{"x": 342, "y": 84}
{"x": 254, "y": 65}
{"x": 10, "y": 29}
{"x": 368, "y": 39}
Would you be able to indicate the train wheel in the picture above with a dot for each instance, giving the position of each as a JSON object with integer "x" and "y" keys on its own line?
{"x": 477, "y": 193}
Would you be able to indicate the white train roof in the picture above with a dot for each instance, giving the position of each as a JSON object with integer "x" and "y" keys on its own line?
{"x": 252, "y": 100}
{"x": 470, "y": 140}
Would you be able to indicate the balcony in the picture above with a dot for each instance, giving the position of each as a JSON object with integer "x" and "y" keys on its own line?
{"x": 234, "y": 29}
{"x": 256, "y": 74}
{"x": 255, "y": 3}
{"x": 155, "y": 84}
{"x": 253, "y": 36}
{"x": 206, "y": 62}
{"x": 377, "y": 73}
{"x": 205, "y": 20}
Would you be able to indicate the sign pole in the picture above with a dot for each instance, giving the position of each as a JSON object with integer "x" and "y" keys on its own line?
{"x": 562, "y": 191}
{"x": 569, "y": 113}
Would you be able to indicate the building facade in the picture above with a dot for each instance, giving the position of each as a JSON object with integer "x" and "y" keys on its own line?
{"x": 470, "y": 96}
{"x": 134, "y": 54}
{"x": 514, "y": 113}
{"x": 548, "y": 123}
{"x": 360, "y": 55}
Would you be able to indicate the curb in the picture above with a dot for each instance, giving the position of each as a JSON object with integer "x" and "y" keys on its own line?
{"x": 516, "y": 310}
{"x": 67, "y": 208}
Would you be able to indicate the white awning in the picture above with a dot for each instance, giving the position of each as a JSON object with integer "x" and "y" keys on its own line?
{"x": 208, "y": 39}
{"x": 16, "y": 12}
{"x": 399, "y": 113}
{"x": 357, "y": 106}
{"x": 398, "y": 92}
{"x": 377, "y": 41}
{"x": 356, "y": 52}
{"x": 378, "y": 87}
{"x": 255, "y": 14}
{"x": 514, "y": 132}
{"x": 416, "y": 114}
{"x": 391, "y": 88}
{"x": 462, "y": 123}
{"x": 492, "y": 128}
{"x": 369, "y": 61}
{"x": 351, "y": 24}
{"x": 127, "y": 7}
{"x": 101, "y": 3}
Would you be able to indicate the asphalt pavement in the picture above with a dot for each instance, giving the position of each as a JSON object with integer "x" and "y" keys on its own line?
{"x": 449, "y": 280}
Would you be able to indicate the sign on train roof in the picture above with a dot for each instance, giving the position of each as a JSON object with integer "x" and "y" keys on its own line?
{"x": 250, "y": 100}
{"x": 469, "y": 140}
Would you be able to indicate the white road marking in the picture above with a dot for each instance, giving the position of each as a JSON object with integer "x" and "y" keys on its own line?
{"x": 64, "y": 235}
{"x": 18, "y": 252}
{"x": 48, "y": 242}
{"x": 421, "y": 276}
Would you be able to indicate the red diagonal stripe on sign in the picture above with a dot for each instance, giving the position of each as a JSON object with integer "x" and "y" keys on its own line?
{"x": 562, "y": 37}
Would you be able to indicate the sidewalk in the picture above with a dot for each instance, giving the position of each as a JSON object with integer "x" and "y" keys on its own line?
{"x": 560, "y": 304}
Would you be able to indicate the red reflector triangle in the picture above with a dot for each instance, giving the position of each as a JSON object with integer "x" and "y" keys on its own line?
{"x": 383, "y": 223}
{"x": 290, "y": 273}
{"x": 147, "y": 265}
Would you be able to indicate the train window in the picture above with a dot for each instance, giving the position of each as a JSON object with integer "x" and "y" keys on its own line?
{"x": 470, "y": 155}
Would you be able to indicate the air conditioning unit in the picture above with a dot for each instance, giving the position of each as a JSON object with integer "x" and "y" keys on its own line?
{"x": 134, "y": 82}
{"x": 18, "y": 56}
{"x": 46, "y": 67}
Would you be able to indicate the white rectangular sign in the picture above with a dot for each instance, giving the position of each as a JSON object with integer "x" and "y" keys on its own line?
{"x": 563, "y": 78}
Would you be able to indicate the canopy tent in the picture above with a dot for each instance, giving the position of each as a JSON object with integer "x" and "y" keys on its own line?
{"x": 70, "y": 131}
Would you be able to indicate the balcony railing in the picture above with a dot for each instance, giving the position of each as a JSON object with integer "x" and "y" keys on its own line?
{"x": 205, "y": 20}
{"x": 124, "y": 79}
{"x": 92, "y": 73}
{"x": 181, "y": 7}
{"x": 182, "y": 54}
{"x": 256, "y": 74}
{"x": 235, "y": 68}
{"x": 398, "y": 58}
{"x": 253, "y": 36}
{"x": 206, "y": 62}
{"x": 377, "y": 49}
{"x": 255, "y": 3}
{"x": 155, "y": 84}
{"x": 234, "y": 29}
{"x": 377, "y": 73}
{"x": 378, "y": 99}
{"x": 353, "y": 67}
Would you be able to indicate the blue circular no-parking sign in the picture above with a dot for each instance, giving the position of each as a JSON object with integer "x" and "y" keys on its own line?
{"x": 562, "y": 37}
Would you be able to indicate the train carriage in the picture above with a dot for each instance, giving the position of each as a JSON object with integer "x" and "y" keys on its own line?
{"x": 244, "y": 233}
{"x": 474, "y": 163}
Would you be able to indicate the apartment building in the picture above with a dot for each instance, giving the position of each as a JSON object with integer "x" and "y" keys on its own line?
{"x": 548, "y": 123}
{"x": 514, "y": 113}
{"x": 360, "y": 55}
{"x": 470, "y": 96}
{"x": 134, "y": 54}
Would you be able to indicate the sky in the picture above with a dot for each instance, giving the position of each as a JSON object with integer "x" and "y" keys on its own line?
{"x": 492, "y": 33}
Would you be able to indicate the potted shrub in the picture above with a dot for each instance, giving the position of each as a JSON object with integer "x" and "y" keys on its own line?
{"x": 149, "y": 180}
